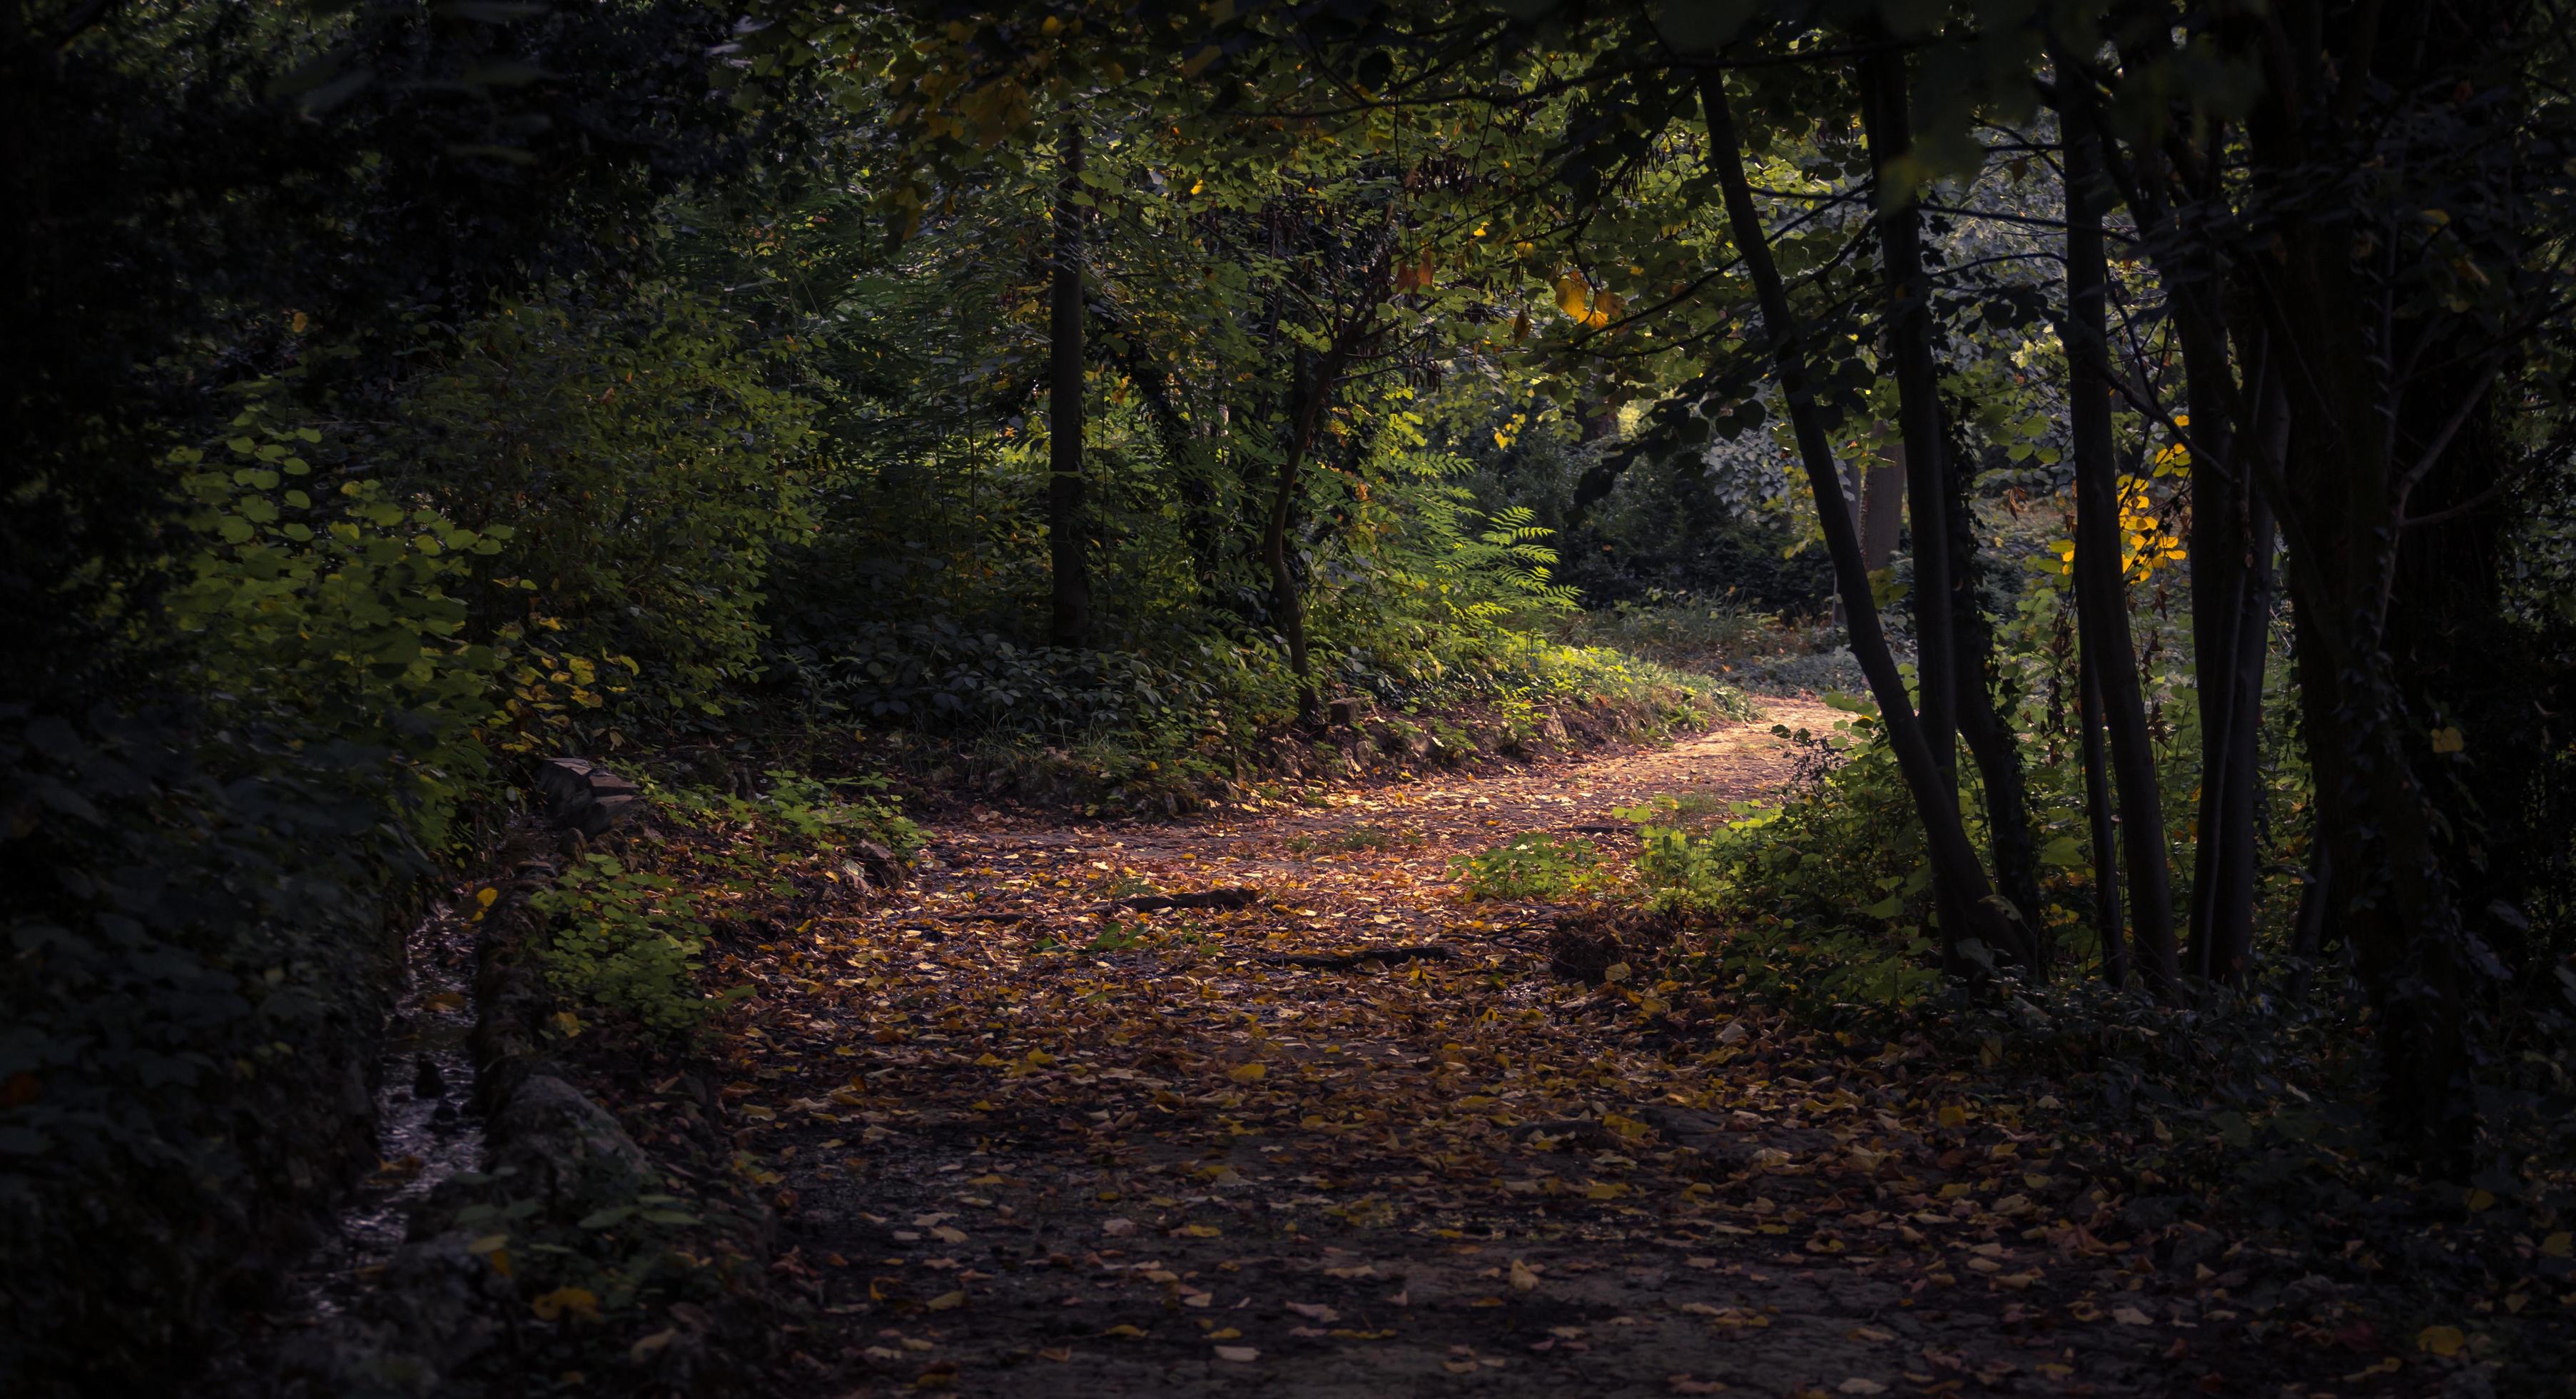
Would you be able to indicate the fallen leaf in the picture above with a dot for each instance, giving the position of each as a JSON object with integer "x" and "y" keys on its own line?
{"x": 947, "y": 1301}
{"x": 1315, "y": 1311}
{"x": 580, "y": 1303}
{"x": 2444, "y": 1341}
{"x": 1240, "y": 1355}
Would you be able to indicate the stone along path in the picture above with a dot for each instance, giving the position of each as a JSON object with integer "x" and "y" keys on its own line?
{"x": 1023, "y": 1146}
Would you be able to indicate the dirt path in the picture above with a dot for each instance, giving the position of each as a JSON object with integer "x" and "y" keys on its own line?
{"x": 1019, "y": 1156}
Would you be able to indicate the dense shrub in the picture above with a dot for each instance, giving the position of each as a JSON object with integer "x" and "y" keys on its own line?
{"x": 638, "y": 466}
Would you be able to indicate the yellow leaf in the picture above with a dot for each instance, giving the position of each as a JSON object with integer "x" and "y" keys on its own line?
{"x": 566, "y": 1023}
{"x": 947, "y": 1301}
{"x": 2559, "y": 1245}
{"x": 1248, "y": 1073}
{"x": 580, "y": 1303}
{"x": 2444, "y": 1341}
{"x": 1123, "y": 1329}
{"x": 1573, "y": 294}
{"x": 1524, "y": 1277}
{"x": 2448, "y": 741}
{"x": 491, "y": 1249}
{"x": 486, "y": 895}
{"x": 1954, "y": 1116}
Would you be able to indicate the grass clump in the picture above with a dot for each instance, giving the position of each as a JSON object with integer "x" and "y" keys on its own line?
{"x": 1533, "y": 866}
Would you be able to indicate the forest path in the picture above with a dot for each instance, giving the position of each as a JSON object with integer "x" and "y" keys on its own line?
{"x": 1017, "y": 1156}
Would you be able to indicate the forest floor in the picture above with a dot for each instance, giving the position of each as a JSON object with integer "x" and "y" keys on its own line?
{"x": 1021, "y": 1145}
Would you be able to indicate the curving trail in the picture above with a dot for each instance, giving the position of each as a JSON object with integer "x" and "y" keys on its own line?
{"x": 1020, "y": 1154}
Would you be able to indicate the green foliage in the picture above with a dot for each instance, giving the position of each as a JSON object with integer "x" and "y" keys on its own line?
{"x": 625, "y": 941}
{"x": 1532, "y": 866}
{"x": 646, "y": 466}
{"x": 335, "y": 619}
{"x": 800, "y": 814}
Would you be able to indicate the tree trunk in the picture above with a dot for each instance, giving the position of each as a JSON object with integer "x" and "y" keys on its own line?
{"x": 2101, "y": 587}
{"x": 1953, "y": 859}
{"x": 1985, "y": 721}
{"x": 1068, "y": 548}
{"x": 1882, "y": 508}
{"x": 2232, "y": 593}
{"x": 1908, "y": 323}
{"x": 2104, "y": 829}
{"x": 1287, "y": 609}
{"x": 1908, "y": 320}
{"x": 1875, "y": 489}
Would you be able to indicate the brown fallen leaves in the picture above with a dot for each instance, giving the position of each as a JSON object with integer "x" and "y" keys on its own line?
{"x": 1045, "y": 1035}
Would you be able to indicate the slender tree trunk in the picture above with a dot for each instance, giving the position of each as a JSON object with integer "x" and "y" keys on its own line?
{"x": 1985, "y": 723}
{"x": 1068, "y": 548}
{"x": 2101, "y": 591}
{"x": 2316, "y": 900}
{"x": 1882, "y": 509}
{"x": 1953, "y": 858}
{"x": 2220, "y": 497}
{"x": 2232, "y": 588}
{"x": 2104, "y": 828}
{"x": 1305, "y": 404}
{"x": 1908, "y": 322}
{"x": 2223, "y": 882}
{"x": 1875, "y": 488}
{"x": 1909, "y": 343}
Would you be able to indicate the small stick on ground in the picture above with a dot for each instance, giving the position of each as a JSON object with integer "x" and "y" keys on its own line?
{"x": 1389, "y": 953}
{"x": 1204, "y": 898}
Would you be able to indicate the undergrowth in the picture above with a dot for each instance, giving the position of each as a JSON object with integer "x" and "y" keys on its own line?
{"x": 1179, "y": 757}
{"x": 1532, "y": 866}
{"x": 624, "y": 932}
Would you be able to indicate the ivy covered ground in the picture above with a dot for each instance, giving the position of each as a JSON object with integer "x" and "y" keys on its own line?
{"x": 1028, "y": 1137}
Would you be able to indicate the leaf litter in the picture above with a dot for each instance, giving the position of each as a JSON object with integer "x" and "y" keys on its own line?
{"x": 1055, "y": 1133}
